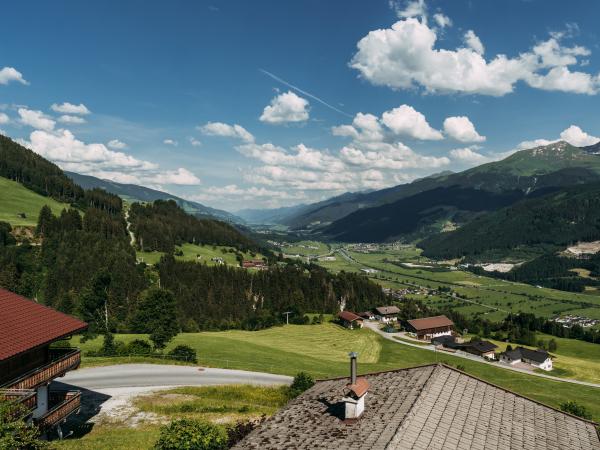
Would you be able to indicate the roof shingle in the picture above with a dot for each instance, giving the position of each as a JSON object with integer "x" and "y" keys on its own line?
{"x": 428, "y": 407}
{"x": 25, "y": 324}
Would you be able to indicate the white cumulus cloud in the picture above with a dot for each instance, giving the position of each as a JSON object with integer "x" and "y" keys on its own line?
{"x": 195, "y": 142}
{"x": 473, "y": 42}
{"x": 171, "y": 142}
{"x": 462, "y": 129}
{"x": 4, "y": 118}
{"x": 286, "y": 108}
{"x": 66, "y": 118}
{"x": 69, "y": 108}
{"x": 405, "y": 120}
{"x": 8, "y": 74}
{"x": 36, "y": 119}
{"x": 117, "y": 144}
{"x": 405, "y": 56}
{"x": 468, "y": 155}
{"x": 226, "y": 130}
{"x": 577, "y": 137}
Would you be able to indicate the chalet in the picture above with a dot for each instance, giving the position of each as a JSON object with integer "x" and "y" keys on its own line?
{"x": 367, "y": 315}
{"x": 540, "y": 359}
{"x": 430, "y": 327}
{"x": 446, "y": 340}
{"x": 387, "y": 313}
{"x": 28, "y": 364}
{"x": 430, "y": 407}
{"x": 350, "y": 320}
{"x": 254, "y": 264}
{"x": 485, "y": 349}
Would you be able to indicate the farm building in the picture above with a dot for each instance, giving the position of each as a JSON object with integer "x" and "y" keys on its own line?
{"x": 387, "y": 313}
{"x": 350, "y": 320}
{"x": 367, "y": 315}
{"x": 540, "y": 359}
{"x": 430, "y": 407}
{"x": 28, "y": 365}
{"x": 485, "y": 349}
{"x": 430, "y": 327}
{"x": 254, "y": 263}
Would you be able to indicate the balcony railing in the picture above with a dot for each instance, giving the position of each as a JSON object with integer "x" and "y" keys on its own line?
{"x": 62, "y": 404}
{"x": 27, "y": 397}
{"x": 61, "y": 361}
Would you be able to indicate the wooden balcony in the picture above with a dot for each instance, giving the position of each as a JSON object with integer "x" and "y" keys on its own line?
{"x": 26, "y": 397}
{"x": 61, "y": 361}
{"x": 61, "y": 405}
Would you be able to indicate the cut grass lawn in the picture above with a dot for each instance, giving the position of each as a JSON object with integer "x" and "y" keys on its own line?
{"x": 113, "y": 437}
{"x": 16, "y": 199}
{"x": 322, "y": 351}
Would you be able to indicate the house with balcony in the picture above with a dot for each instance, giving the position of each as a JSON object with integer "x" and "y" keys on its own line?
{"x": 29, "y": 362}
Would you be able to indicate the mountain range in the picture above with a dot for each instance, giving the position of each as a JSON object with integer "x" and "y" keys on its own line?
{"x": 447, "y": 200}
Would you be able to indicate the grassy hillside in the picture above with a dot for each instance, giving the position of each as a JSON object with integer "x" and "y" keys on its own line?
{"x": 322, "y": 351}
{"x": 206, "y": 253}
{"x": 16, "y": 199}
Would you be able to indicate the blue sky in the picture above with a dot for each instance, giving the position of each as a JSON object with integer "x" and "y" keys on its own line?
{"x": 267, "y": 103}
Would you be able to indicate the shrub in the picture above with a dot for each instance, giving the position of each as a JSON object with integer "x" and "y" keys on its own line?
{"x": 302, "y": 382}
{"x": 139, "y": 347}
{"x": 576, "y": 409}
{"x": 14, "y": 432}
{"x": 188, "y": 434}
{"x": 184, "y": 353}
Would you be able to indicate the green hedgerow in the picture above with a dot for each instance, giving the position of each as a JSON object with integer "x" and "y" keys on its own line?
{"x": 189, "y": 434}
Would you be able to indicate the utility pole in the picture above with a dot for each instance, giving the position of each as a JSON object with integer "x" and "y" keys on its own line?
{"x": 287, "y": 317}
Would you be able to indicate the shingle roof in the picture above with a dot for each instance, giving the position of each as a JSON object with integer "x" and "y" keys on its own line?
{"x": 384, "y": 310}
{"x": 534, "y": 355}
{"x": 25, "y": 324}
{"x": 349, "y": 316}
{"x": 428, "y": 407}
{"x": 430, "y": 322}
{"x": 483, "y": 346}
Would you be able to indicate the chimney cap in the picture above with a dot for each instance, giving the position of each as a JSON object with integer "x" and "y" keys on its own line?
{"x": 353, "y": 355}
{"x": 359, "y": 388}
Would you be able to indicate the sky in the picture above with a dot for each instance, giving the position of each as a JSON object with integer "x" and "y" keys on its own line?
{"x": 261, "y": 104}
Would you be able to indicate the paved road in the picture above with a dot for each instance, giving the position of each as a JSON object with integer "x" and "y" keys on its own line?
{"x": 390, "y": 336}
{"x": 142, "y": 375}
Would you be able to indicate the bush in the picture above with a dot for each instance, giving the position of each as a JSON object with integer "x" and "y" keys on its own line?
{"x": 576, "y": 409}
{"x": 14, "y": 432}
{"x": 188, "y": 434}
{"x": 184, "y": 353}
{"x": 302, "y": 382}
{"x": 139, "y": 347}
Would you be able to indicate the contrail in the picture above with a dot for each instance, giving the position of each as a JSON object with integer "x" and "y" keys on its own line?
{"x": 308, "y": 94}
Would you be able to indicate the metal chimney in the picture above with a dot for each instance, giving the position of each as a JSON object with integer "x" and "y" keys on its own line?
{"x": 353, "y": 356}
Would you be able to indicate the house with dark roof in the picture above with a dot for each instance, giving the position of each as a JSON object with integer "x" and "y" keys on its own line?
{"x": 387, "y": 314}
{"x": 28, "y": 364}
{"x": 485, "y": 349}
{"x": 540, "y": 359}
{"x": 430, "y": 327}
{"x": 350, "y": 320}
{"x": 431, "y": 407}
{"x": 367, "y": 315}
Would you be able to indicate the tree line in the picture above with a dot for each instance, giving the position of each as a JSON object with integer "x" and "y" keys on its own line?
{"x": 163, "y": 224}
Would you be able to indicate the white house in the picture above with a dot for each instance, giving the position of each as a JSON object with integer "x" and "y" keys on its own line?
{"x": 540, "y": 359}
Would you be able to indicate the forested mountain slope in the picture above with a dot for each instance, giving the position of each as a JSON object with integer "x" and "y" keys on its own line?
{"x": 549, "y": 222}
{"x": 135, "y": 193}
{"x": 163, "y": 224}
{"x": 553, "y": 165}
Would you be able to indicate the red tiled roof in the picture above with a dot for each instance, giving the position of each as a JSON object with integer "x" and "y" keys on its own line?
{"x": 25, "y": 324}
{"x": 430, "y": 322}
{"x": 349, "y": 316}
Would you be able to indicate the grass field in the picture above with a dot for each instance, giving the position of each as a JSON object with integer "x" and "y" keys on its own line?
{"x": 16, "y": 199}
{"x": 307, "y": 248}
{"x": 206, "y": 253}
{"x": 322, "y": 351}
{"x": 489, "y": 297}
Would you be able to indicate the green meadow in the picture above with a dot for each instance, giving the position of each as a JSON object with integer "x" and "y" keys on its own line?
{"x": 15, "y": 200}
